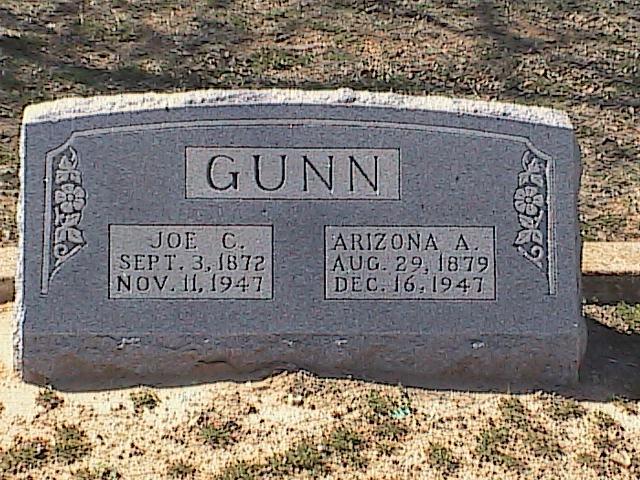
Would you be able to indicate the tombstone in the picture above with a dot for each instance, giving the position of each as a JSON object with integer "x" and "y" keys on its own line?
{"x": 184, "y": 238}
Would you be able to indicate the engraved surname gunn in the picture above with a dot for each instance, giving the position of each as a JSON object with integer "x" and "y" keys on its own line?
{"x": 293, "y": 173}
{"x": 190, "y": 261}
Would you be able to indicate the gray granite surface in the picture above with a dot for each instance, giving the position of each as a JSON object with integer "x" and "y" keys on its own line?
{"x": 173, "y": 239}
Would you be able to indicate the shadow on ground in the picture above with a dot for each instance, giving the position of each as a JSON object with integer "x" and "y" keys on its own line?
{"x": 611, "y": 366}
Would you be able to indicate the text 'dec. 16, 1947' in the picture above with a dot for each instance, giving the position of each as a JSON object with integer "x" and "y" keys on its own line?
{"x": 191, "y": 261}
{"x": 407, "y": 262}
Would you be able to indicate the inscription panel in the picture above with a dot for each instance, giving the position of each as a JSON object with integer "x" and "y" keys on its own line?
{"x": 191, "y": 262}
{"x": 409, "y": 262}
{"x": 292, "y": 173}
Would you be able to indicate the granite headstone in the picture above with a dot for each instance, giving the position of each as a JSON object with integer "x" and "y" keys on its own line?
{"x": 174, "y": 239}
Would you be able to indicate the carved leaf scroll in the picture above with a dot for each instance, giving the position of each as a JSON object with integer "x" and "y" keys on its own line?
{"x": 68, "y": 200}
{"x": 530, "y": 203}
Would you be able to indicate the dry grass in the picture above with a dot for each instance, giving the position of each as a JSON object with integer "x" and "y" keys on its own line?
{"x": 339, "y": 432}
{"x": 296, "y": 425}
{"x": 582, "y": 59}
{"x": 579, "y": 57}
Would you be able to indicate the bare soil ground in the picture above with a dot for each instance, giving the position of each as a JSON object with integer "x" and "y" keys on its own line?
{"x": 582, "y": 57}
{"x": 295, "y": 425}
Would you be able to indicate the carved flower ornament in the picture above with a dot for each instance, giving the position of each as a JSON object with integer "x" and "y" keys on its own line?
{"x": 70, "y": 198}
{"x": 530, "y": 203}
{"x": 66, "y": 201}
{"x": 528, "y": 200}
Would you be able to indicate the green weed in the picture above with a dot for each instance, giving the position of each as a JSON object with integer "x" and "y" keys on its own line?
{"x": 630, "y": 315}
{"x": 586, "y": 459}
{"x": 102, "y": 472}
{"x": 441, "y": 458}
{"x": 346, "y": 445}
{"x": 542, "y": 445}
{"x": 71, "y": 444}
{"x": 514, "y": 412}
{"x": 491, "y": 444}
{"x": 565, "y": 409}
{"x": 239, "y": 471}
{"x": 219, "y": 436}
{"x": 181, "y": 469}
{"x": 145, "y": 399}
{"x": 304, "y": 457}
{"x": 391, "y": 429}
{"x": 48, "y": 399}
{"x": 386, "y": 406}
{"x": 24, "y": 455}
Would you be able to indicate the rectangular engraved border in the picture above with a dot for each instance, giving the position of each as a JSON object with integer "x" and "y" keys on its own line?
{"x": 548, "y": 250}
{"x": 284, "y": 199}
{"x": 182, "y": 299}
{"x": 324, "y": 267}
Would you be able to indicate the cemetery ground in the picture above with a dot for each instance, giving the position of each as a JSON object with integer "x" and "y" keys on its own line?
{"x": 295, "y": 425}
{"x": 579, "y": 58}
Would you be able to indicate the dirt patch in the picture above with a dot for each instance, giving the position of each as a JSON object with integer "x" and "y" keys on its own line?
{"x": 296, "y": 425}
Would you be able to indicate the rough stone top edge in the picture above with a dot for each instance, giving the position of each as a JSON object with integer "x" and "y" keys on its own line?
{"x": 77, "y": 107}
